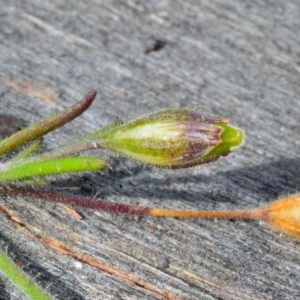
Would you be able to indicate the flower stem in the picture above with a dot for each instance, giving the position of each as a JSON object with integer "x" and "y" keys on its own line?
{"x": 239, "y": 214}
{"x": 97, "y": 204}
{"x": 33, "y": 147}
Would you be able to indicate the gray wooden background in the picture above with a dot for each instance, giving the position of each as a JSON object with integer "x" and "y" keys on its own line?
{"x": 237, "y": 59}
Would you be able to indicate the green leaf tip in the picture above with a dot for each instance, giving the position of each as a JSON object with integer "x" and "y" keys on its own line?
{"x": 46, "y": 125}
{"x": 174, "y": 138}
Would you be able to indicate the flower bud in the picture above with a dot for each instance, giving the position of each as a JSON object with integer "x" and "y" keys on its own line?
{"x": 174, "y": 138}
{"x": 284, "y": 214}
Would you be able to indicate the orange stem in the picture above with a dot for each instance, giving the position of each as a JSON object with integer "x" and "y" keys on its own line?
{"x": 255, "y": 214}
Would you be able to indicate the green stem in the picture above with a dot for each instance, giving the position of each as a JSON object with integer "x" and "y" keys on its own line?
{"x": 91, "y": 141}
{"x": 20, "y": 280}
{"x": 33, "y": 147}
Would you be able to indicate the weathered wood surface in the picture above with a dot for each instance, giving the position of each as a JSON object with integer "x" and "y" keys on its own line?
{"x": 238, "y": 59}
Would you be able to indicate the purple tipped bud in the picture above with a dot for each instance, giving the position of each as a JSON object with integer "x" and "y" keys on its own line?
{"x": 174, "y": 138}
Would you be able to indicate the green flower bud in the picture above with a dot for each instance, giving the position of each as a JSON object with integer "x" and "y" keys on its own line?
{"x": 174, "y": 138}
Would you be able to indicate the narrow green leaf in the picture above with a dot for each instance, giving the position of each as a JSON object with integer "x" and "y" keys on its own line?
{"x": 20, "y": 280}
{"x": 46, "y": 125}
{"x": 29, "y": 168}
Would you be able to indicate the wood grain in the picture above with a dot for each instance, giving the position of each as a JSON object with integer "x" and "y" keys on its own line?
{"x": 237, "y": 59}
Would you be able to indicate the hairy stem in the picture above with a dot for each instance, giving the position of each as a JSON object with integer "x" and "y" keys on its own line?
{"x": 98, "y": 204}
